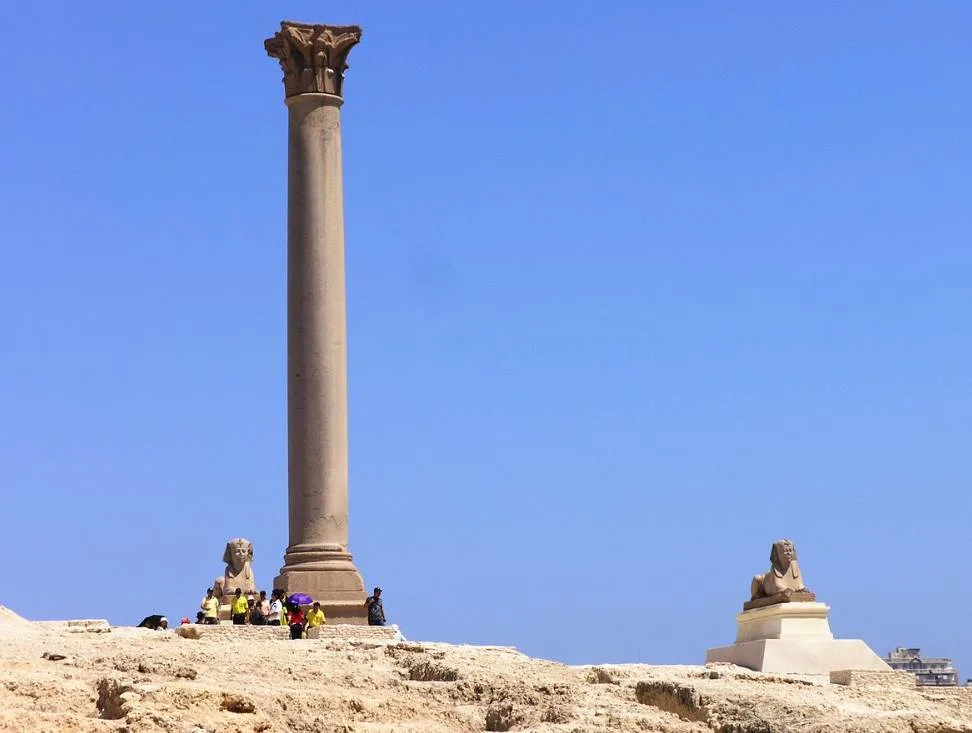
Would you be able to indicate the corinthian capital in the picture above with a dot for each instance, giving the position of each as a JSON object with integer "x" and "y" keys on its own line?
{"x": 313, "y": 57}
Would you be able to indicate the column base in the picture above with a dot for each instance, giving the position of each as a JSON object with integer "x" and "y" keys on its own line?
{"x": 327, "y": 575}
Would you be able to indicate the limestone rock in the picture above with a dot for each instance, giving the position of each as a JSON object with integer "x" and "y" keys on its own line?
{"x": 234, "y": 703}
{"x": 432, "y": 672}
{"x": 115, "y": 698}
{"x": 254, "y": 680}
{"x": 9, "y": 618}
{"x": 500, "y": 717}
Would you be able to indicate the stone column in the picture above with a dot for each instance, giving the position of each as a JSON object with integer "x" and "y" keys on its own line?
{"x": 317, "y": 561}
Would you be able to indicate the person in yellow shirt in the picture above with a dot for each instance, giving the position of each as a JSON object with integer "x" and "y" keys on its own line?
{"x": 239, "y": 607}
{"x": 316, "y": 616}
{"x": 210, "y": 607}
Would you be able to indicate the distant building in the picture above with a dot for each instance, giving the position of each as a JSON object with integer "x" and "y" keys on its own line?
{"x": 928, "y": 671}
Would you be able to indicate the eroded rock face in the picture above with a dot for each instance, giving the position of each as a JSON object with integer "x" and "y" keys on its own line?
{"x": 237, "y": 704}
{"x": 115, "y": 698}
{"x": 671, "y": 697}
{"x": 156, "y": 682}
{"x": 432, "y": 672}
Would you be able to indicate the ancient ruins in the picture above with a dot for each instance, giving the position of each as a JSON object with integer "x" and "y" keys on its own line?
{"x": 317, "y": 561}
{"x": 785, "y": 671}
{"x": 782, "y": 583}
{"x": 783, "y": 629}
{"x": 238, "y": 557}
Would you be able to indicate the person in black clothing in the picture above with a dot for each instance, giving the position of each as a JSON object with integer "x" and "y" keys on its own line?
{"x": 155, "y": 622}
{"x": 376, "y": 612}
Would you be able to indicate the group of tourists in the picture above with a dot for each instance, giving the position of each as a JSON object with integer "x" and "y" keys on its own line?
{"x": 279, "y": 610}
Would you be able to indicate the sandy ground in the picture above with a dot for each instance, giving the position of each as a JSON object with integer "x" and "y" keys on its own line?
{"x": 56, "y": 678}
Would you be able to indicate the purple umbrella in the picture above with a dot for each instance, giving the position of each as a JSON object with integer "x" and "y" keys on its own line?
{"x": 301, "y": 599}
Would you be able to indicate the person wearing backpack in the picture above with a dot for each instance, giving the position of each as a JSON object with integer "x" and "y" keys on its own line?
{"x": 376, "y": 612}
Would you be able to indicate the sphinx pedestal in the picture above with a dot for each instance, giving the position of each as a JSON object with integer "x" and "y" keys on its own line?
{"x": 793, "y": 638}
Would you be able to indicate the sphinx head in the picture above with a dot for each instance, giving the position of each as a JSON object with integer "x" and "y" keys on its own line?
{"x": 782, "y": 554}
{"x": 238, "y": 553}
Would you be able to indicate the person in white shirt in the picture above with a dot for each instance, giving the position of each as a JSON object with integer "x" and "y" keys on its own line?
{"x": 276, "y": 610}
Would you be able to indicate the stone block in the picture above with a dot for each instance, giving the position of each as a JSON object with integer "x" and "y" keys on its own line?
{"x": 784, "y": 620}
{"x": 881, "y": 679}
{"x": 810, "y": 656}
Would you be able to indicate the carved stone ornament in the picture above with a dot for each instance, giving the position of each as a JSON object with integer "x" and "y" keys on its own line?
{"x": 783, "y": 583}
{"x": 313, "y": 57}
{"x": 238, "y": 557}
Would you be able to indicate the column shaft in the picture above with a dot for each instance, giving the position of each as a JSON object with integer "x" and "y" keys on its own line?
{"x": 317, "y": 382}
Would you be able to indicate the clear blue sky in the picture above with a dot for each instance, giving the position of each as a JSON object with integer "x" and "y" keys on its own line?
{"x": 634, "y": 290}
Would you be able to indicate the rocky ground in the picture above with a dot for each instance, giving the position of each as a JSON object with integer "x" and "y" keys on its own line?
{"x": 60, "y": 678}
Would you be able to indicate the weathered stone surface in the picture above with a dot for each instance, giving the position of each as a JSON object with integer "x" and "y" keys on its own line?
{"x": 783, "y": 583}
{"x": 115, "y": 697}
{"x": 235, "y": 703}
{"x": 238, "y": 556}
{"x": 189, "y": 631}
{"x": 432, "y": 672}
{"x": 601, "y": 676}
{"x": 79, "y": 625}
{"x": 338, "y": 685}
{"x": 313, "y": 57}
{"x": 317, "y": 561}
{"x": 502, "y": 716}
{"x": 328, "y": 632}
{"x": 880, "y": 679}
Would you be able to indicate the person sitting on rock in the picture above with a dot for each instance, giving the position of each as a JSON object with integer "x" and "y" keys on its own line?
{"x": 376, "y": 612}
{"x": 210, "y": 607}
{"x": 238, "y": 608}
{"x": 316, "y": 616}
{"x": 201, "y": 617}
{"x": 255, "y": 614}
{"x": 156, "y": 622}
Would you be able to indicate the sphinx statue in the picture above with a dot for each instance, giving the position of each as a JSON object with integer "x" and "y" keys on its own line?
{"x": 783, "y": 583}
{"x": 783, "y": 629}
{"x": 238, "y": 557}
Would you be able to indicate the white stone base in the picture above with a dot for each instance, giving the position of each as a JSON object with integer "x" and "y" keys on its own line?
{"x": 799, "y": 656}
{"x": 784, "y": 621}
{"x": 793, "y": 638}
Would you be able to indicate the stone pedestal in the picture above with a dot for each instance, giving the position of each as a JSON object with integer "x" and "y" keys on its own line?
{"x": 793, "y": 638}
{"x": 784, "y": 621}
{"x": 317, "y": 561}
